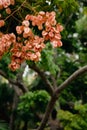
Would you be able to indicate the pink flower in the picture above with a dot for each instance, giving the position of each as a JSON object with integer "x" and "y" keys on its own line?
{"x": 8, "y": 10}
{"x": 34, "y": 57}
{"x": 12, "y": 37}
{"x": 17, "y": 54}
{"x": 1, "y": 34}
{"x": 27, "y": 32}
{"x": 25, "y": 23}
{"x": 51, "y": 34}
{"x": 44, "y": 33}
{"x": 40, "y": 27}
{"x": 6, "y": 3}
{"x": 57, "y": 36}
{"x": 56, "y": 43}
{"x": 1, "y": 4}
{"x": 12, "y": 2}
{"x": 14, "y": 66}
{"x": 59, "y": 27}
{"x": 19, "y": 29}
{"x": 42, "y": 13}
{"x": 26, "y": 29}
{"x": 2, "y": 23}
{"x": 28, "y": 17}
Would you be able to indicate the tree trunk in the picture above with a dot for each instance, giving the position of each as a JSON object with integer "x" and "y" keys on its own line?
{"x": 12, "y": 117}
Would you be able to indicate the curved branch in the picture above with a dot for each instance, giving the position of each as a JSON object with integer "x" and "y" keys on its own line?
{"x": 43, "y": 77}
{"x": 14, "y": 82}
{"x": 48, "y": 112}
{"x": 77, "y": 73}
{"x": 55, "y": 96}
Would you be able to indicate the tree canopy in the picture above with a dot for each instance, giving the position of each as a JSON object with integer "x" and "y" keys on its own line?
{"x": 43, "y": 50}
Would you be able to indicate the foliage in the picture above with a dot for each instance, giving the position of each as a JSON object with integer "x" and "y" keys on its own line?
{"x": 6, "y": 100}
{"x": 32, "y": 106}
{"x": 4, "y": 67}
{"x": 33, "y": 102}
{"x": 47, "y": 62}
{"x": 81, "y": 24}
{"x": 4, "y": 126}
{"x": 76, "y": 120}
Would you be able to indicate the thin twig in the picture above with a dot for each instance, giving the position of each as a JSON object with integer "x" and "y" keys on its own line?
{"x": 14, "y": 11}
{"x": 16, "y": 19}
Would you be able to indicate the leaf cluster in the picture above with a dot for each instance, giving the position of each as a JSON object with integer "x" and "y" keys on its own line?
{"x": 76, "y": 121}
{"x": 4, "y": 125}
{"x": 33, "y": 102}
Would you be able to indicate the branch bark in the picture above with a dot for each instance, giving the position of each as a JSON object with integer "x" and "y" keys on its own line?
{"x": 14, "y": 106}
{"x": 48, "y": 112}
{"x": 43, "y": 77}
{"x": 14, "y": 82}
{"x": 71, "y": 78}
{"x": 55, "y": 96}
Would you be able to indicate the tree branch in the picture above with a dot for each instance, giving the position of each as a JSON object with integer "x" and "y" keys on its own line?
{"x": 43, "y": 77}
{"x": 15, "y": 11}
{"x": 71, "y": 78}
{"x": 14, "y": 82}
{"x": 54, "y": 81}
{"x": 48, "y": 112}
{"x": 56, "y": 95}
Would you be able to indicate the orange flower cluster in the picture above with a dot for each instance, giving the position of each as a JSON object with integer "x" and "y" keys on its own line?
{"x": 6, "y": 41}
{"x": 28, "y": 50}
{"x": 47, "y": 23}
{"x": 28, "y": 46}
